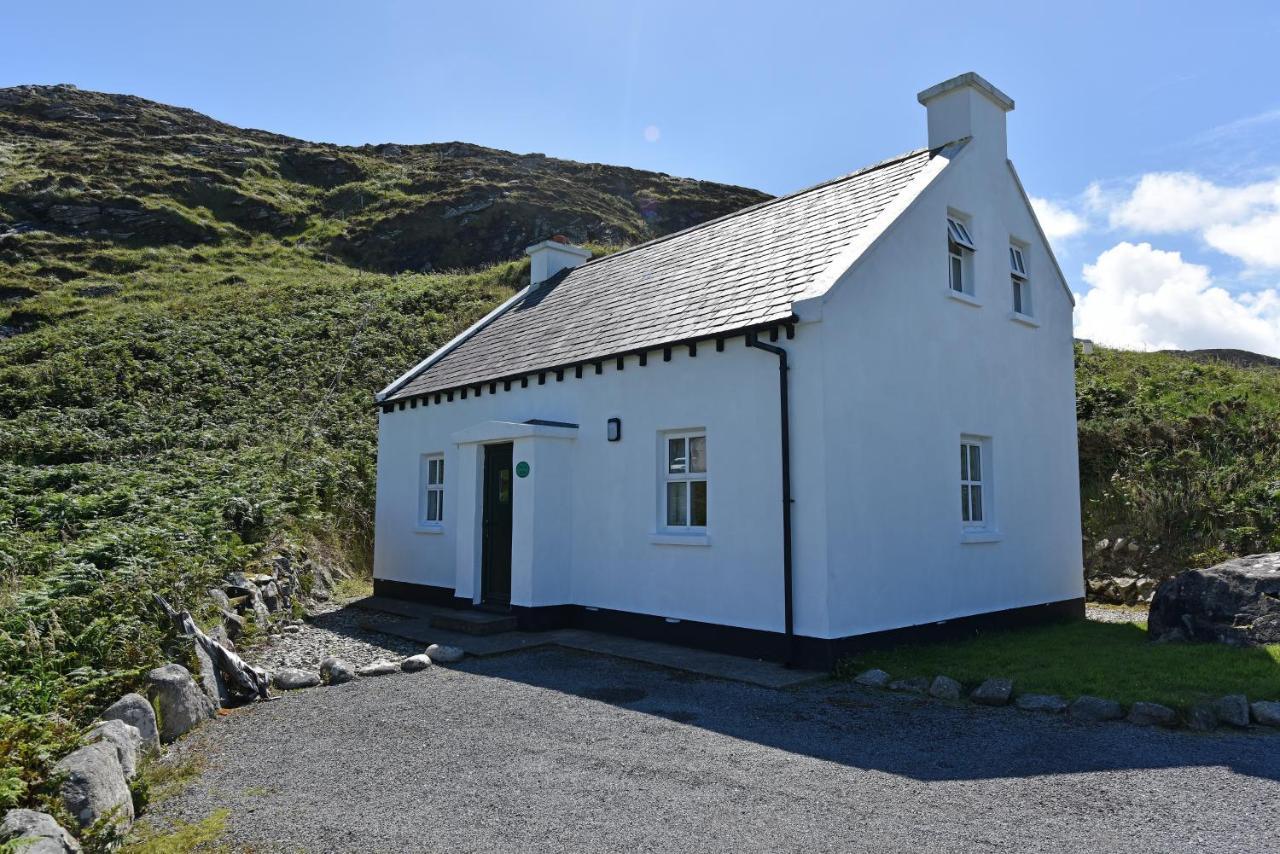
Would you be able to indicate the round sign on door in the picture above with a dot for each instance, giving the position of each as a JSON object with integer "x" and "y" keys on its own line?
{"x": 522, "y": 469}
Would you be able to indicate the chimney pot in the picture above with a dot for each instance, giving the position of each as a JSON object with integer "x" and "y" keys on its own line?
{"x": 551, "y": 256}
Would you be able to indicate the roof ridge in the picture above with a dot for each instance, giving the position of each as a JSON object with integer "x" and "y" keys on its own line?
{"x": 766, "y": 203}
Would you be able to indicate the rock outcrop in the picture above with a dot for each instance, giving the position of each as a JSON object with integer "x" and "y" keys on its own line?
{"x": 34, "y": 832}
{"x": 95, "y": 786}
{"x": 135, "y": 710}
{"x": 179, "y": 703}
{"x": 125, "y": 738}
{"x": 1236, "y": 602}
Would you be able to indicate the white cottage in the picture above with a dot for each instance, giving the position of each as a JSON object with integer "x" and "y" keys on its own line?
{"x": 838, "y": 417}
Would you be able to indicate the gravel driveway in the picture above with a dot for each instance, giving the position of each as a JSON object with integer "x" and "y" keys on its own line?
{"x": 552, "y": 750}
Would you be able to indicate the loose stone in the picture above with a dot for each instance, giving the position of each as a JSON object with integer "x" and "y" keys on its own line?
{"x": 1152, "y": 714}
{"x": 944, "y": 688}
{"x": 1087, "y": 708}
{"x": 872, "y": 678}
{"x": 993, "y": 692}
{"x": 444, "y": 654}
{"x": 1232, "y": 709}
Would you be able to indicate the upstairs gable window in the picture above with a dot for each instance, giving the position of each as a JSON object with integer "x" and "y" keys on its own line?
{"x": 1021, "y": 283}
{"x": 959, "y": 247}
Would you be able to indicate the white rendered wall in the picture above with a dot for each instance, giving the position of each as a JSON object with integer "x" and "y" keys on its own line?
{"x": 909, "y": 370}
{"x": 596, "y": 502}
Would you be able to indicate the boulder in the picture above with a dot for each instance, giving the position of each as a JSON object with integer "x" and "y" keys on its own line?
{"x": 944, "y": 688}
{"x": 1143, "y": 713}
{"x": 125, "y": 738}
{"x": 1087, "y": 708}
{"x": 178, "y": 701}
{"x": 292, "y": 678}
{"x": 993, "y": 692}
{"x": 379, "y": 668}
{"x": 134, "y": 710}
{"x": 1051, "y": 703}
{"x": 1232, "y": 709}
{"x": 36, "y": 833}
{"x": 1202, "y": 717}
{"x": 335, "y": 671}
{"x": 95, "y": 786}
{"x": 414, "y": 663}
{"x": 1266, "y": 713}
{"x": 1236, "y": 602}
{"x": 444, "y": 654}
{"x": 872, "y": 678}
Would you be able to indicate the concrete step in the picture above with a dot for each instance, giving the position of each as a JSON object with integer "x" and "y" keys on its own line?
{"x": 474, "y": 622}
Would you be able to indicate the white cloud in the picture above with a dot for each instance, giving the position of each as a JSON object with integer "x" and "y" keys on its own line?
{"x": 1256, "y": 242}
{"x": 1058, "y": 222}
{"x": 1145, "y": 298}
{"x": 1242, "y": 221}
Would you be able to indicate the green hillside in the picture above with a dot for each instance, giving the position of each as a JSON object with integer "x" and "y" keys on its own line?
{"x": 1180, "y": 456}
{"x": 194, "y": 318}
{"x": 193, "y": 321}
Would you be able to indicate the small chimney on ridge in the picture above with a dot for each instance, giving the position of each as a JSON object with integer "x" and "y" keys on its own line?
{"x": 967, "y": 106}
{"x": 551, "y": 256}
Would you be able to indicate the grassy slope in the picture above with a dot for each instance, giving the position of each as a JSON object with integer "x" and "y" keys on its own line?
{"x": 160, "y": 436}
{"x": 1179, "y": 455}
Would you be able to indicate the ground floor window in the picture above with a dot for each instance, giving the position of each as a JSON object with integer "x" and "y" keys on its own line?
{"x": 684, "y": 475}
{"x": 973, "y": 510}
{"x": 431, "y": 494}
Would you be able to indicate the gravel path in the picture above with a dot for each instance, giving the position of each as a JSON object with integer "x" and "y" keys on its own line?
{"x": 552, "y": 750}
{"x": 332, "y": 629}
{"x": 1115, "y": 613}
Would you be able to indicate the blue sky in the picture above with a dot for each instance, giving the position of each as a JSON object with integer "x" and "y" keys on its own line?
{"x": 1152, "y": 130}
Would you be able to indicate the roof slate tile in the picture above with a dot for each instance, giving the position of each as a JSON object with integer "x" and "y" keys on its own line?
{"x": 739, "y": 271}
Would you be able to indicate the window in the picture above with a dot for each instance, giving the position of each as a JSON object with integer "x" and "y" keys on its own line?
{"x": 431, "y": 500}
{"x": 972, "y": 498}
{"x": 685, "y": 480}
{"x": 959, "y": 246}
{"x": 1021, "y": 284}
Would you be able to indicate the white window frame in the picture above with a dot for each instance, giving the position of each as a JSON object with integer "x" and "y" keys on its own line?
{"x": 688, "y": 477}
{"x": 1020, "y": 282}
{"x": 960, "y": 249}
{"x": 975, "y": 486}
{"x": 431, "y": 481}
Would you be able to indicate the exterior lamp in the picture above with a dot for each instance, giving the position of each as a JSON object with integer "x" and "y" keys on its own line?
{"x": 615, "y": 429}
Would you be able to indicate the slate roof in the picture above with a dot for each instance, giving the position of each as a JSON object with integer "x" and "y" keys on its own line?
{"x": 740, "y": 271}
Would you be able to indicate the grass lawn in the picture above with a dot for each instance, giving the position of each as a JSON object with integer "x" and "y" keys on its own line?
{"x": 1113, "y": 660}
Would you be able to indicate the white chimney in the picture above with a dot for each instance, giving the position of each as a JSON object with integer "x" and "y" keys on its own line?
{"x": 967, "y": 106}
{"x": 551, "y": 256}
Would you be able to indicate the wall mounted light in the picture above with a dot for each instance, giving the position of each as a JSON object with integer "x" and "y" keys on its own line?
{"x": 615, "y": 429}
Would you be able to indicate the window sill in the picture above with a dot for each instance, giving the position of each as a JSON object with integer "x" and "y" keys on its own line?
{"x": 432, "y": 528}
{"x": 967, "y": 299}
{"x": 1024, "y": 319}
{"x": 664, "y": 538}
{"x": 978, "y": 536}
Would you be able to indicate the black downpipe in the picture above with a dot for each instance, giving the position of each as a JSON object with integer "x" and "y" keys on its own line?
{"x": 785, "y": 409}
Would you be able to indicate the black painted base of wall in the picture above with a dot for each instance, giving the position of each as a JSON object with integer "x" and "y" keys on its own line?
{"x": 425, "y": 593}
{"x": 808, "y": 652}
